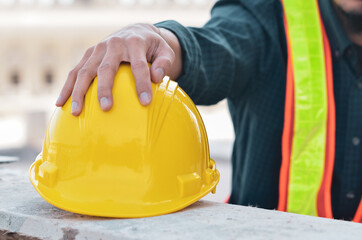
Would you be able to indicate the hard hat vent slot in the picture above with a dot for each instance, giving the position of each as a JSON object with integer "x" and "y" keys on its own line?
{"x": 38, "y": 162}
{"x": 211, "y": 174}
{"x": 212, "y": 165}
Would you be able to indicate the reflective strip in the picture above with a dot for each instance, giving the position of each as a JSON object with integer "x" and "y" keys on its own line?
{"x": 287, "y": 137}
{"x": 358, "y": 216}
{"x": 310, "y": 106}
{"x": 324, "y": 202}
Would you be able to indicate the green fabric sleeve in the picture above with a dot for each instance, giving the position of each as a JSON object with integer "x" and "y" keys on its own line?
{"x": 220, "y": 58}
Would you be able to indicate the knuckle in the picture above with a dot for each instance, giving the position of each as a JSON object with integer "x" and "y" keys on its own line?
{"x": 100, "y": 46}
{"x": 167, "y": 61}
{"x": 83, "y": 73}
{"x": 137, "y": 26}
{"x": 72, "y": 74}
{"x": 135, "y": 39}
{"x": 89, "y": 51}
{"x": 104, "y": 67}
{"x": 103, "y": 91}
{"x": 139, "y": 64}
{"x": 76, "y": 94}
{"x": 114, "y": 41}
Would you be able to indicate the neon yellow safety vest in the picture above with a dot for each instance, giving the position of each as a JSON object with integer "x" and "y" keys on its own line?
{"x": 308, "y": 141}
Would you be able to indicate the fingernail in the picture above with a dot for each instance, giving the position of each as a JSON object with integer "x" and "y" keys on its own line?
{"x": 161, "y": 71}
{"x": 104, "y": 102}
{"x": 60, "y": 98}
{"x": 74, "y": 107}
{"x": 145, "y": 98}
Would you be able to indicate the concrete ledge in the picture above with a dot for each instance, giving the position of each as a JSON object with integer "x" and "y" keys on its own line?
{"x": 25, "y": 215}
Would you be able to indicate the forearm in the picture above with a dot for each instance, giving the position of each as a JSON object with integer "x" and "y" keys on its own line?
{"x": 219, "y": 59}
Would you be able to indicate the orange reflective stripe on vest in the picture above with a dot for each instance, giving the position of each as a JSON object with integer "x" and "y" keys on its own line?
{"x": 308, "y": 140}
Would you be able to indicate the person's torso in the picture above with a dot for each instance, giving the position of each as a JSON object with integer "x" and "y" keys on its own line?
{"x": 258, "y": 118}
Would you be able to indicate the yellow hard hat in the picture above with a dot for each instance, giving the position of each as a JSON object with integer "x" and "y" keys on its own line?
{"x": 132, "y": 161}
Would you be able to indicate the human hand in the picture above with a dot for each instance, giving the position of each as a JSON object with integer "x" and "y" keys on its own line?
{"x": 137, "y": 44}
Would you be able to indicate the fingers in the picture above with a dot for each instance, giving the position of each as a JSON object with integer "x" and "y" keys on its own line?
{"x": 106, "y": 73}
{"x": 72, "y": 76}
{"x": 162, "y": 63}
{"x": 84, "y": 78}
{"x": 140, "y": 70}
{"x": 137, "y": 44}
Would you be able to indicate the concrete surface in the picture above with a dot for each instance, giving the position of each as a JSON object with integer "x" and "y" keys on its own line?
{"x": 25, "y": 215}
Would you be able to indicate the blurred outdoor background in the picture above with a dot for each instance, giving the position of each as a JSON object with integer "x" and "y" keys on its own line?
{"x": 42, "y": 40}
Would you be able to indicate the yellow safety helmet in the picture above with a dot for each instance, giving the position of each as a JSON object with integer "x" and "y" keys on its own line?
{"x": 132, "y": 161}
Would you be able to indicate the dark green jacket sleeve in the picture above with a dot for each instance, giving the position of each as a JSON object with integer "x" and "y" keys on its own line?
{"x": 221, "y": 58}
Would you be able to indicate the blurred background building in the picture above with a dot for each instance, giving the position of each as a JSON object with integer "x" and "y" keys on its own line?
{"x": 42, "y": 40}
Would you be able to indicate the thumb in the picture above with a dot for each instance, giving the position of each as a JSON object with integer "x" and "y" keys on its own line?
{"x": 161, "y": 66}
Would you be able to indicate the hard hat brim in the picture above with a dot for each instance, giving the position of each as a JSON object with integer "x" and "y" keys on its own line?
{"x": 117, "y": 210}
